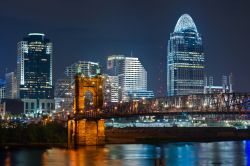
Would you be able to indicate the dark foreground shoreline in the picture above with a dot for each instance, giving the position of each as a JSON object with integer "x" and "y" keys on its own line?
{"x": 175, "y": 134}
{"x": 32, "y": 145}
{"x": 155, "y": 135}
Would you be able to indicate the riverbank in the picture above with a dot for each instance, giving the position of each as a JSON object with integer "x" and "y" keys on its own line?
{"x": 32, "y": 145}
{"x": 55, "y": 135}
{"x": 174, "y": 134}
{"x": 34, "y": 135}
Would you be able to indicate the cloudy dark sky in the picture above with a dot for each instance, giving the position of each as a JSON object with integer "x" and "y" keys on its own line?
{"x": 92, "y": 30}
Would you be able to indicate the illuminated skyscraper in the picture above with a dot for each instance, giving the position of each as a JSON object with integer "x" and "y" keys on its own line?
{"x": 134, "y": 76}
{"x": 34, "y": 74}
{"x": 64, "y": 95}
{"x": 185, "y": 61}
{"x": 114, "y": 88}
{"x": 114, "y": 71}
{"x": 130, "y": 77}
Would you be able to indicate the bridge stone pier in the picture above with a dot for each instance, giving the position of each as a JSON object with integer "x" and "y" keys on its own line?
{"x": 82, "y": 131}
{"x": 86, "y": 132}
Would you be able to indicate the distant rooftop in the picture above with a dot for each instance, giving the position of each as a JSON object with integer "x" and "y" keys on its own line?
{"x": 36, "y": 34}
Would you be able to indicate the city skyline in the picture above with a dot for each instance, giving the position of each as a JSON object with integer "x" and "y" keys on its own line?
{"x": 143, "y": 30}
{"x": 124, "y": 82}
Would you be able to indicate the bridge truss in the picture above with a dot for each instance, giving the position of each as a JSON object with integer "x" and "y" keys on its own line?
{"x": 226, "y": 103}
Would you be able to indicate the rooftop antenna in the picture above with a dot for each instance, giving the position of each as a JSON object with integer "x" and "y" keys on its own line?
{"x": 131, "y": 53}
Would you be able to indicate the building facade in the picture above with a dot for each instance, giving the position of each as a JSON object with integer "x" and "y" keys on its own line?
{"x": 133, "y": 77}
{"x": 130, "y": 78}
{"x": 64, "y": 87}
{"x": 114, "y": 64}
{"x": 2, "y": 110}
{"x": 114, "y": 70}
{"x": 87, "y": 68}
{"x": 227, "y": 83}
{"x": 34, "y": 74}
{"x": 63, "y": 95}
{"x": 11, "y": 85}
{"x": 225, "y": 87}
{"x": 11, "y": 106}
{"x": 114, "y": 88}
{"x": 2, "y": 89}
{"x": 185, "y": 60}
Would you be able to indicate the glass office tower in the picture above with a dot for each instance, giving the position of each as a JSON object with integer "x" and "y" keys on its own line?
{"x": 34, "y": 74}
{"x": 185, "y": 60}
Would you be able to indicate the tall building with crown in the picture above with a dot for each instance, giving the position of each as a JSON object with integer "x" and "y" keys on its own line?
{"x": 185, "y": 59}
{"x": 34, "y": 74}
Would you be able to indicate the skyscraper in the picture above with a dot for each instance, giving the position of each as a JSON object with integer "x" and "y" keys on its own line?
{"x": 224, "y": 82}
{"x": 114, "y": 71}
{"x": 114, "y": 88}
{"x": 11, "y": 85}
{"x": 134, "y": 76}
{"x": 227, "y": 83}
{"x": 2, "y": 89}
{"x": 114, "y": 64}
{"x": 34, "y": 73}
{"x": 63, "y": 95}
{"x": 185, "y": 60}
{"x": 131, "y": 77}
{"x": 225, "y": 87}
{"x": 230, "y": 81}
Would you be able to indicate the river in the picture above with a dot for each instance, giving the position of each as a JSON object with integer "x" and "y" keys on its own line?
{"x": 184, "y": 154}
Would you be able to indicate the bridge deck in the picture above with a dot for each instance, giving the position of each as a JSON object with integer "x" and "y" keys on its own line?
{"x": 199, "y": 104}
{"x": 102, "y": 115}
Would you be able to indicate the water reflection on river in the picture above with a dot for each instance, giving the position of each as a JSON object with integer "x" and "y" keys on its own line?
{"x": 216, "y": 153}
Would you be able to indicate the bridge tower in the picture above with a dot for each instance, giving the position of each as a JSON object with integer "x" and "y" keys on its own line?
{"x": 87, "y": 131}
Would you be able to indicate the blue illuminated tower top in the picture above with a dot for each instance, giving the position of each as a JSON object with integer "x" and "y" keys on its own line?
{"x": 184, "y": 24}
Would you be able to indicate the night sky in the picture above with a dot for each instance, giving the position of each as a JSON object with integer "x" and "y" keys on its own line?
{"x": 92, "y": 30}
